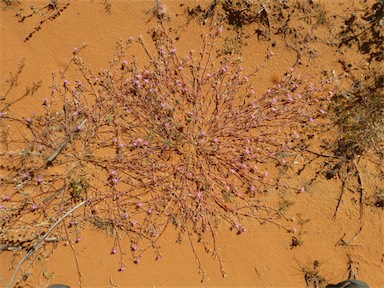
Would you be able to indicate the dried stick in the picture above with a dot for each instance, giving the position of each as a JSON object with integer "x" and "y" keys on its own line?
{"x": 361, "y": 190}
{"x": 64, "y": 143}
{"x": 37, "y": 245}
{"x": 343, "y": 187}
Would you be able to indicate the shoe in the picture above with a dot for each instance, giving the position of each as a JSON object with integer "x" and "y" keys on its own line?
{"x": 350, "y": 283}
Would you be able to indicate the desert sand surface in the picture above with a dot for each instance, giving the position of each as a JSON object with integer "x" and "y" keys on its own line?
{"x": 310, "y": 215}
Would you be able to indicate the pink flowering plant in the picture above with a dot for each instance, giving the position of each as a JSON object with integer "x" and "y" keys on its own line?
{"x": 179, "y": 141}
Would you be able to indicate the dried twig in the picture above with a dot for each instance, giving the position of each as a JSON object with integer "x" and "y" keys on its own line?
{"x": 344, "y": 242}
{"x": 343, "y": 188}
{"x": 361, "y": 189}
{"x": 64, "y": 143}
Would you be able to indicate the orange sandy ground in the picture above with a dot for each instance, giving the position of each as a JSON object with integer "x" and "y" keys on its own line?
{"x": 262, "y": 257}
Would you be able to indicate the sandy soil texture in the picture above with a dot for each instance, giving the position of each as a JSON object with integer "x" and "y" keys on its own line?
{"x": 221, "y": 143}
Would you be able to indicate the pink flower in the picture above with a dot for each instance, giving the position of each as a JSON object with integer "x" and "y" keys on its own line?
{"x": 138, "y": 260}
{"x": 114, "y": 250}
{"x": 122, "y": 268}
{"x": 25, "y": 176}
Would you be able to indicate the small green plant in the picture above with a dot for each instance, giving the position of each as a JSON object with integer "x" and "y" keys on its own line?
{"x": 79, "y": 187}
{"x": 313, "y": 275}
{"x": 322, "y": 16}
{"x": 359, "y": 114}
